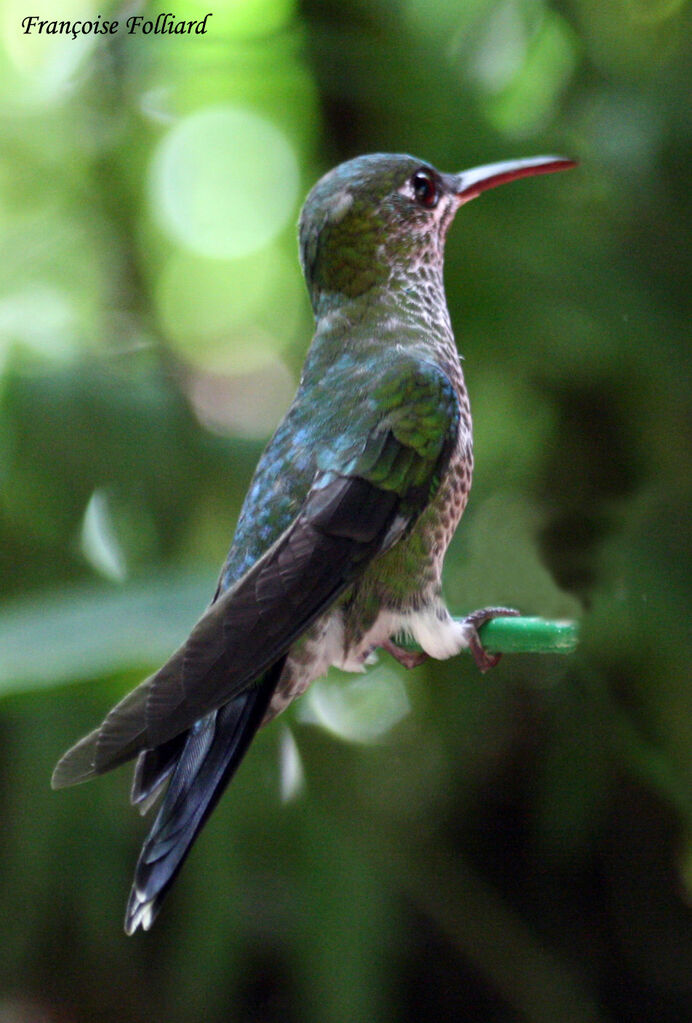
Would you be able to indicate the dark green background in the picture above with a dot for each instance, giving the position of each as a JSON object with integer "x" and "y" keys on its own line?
{"x": 514, "y": 847}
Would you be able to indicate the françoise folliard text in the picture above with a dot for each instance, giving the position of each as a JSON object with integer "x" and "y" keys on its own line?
{"x": 163, "y": 24}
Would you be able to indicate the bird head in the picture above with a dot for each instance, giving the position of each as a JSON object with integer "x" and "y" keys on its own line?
{"x": 382, "y": 216}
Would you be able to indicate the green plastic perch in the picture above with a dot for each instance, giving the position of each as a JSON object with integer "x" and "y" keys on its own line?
{"x": 521, "y": 635}
{"x": 529, "y": 636}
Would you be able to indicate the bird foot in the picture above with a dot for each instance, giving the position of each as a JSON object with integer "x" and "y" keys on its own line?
{"x": 483, "y": 659}
{"x": 409, "y": 658}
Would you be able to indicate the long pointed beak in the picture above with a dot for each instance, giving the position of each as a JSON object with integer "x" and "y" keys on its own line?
{"x": 471, "y": 183}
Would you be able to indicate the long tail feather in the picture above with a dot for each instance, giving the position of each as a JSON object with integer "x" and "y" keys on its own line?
{"x": 212, "y": 751}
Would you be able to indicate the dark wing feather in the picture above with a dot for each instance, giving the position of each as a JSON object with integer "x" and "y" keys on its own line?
{"x": 248, "y": 628}
{"x": 152, "y": 770}
{"x": 354, "y": 511}
{"x": 210, "y": 755}
{"x": 341, "y": 526}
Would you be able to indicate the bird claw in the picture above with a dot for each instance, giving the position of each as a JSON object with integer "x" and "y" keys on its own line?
{"x": 483, "y": 659}
{"x": 409, "y": 658}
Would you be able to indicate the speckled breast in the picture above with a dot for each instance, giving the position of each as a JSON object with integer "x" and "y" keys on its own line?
{"x": 450, "y": 501}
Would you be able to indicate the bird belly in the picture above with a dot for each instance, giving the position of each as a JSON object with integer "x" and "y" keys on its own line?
{"x": 309, "y": 658}
{"x": 325, "y": 646}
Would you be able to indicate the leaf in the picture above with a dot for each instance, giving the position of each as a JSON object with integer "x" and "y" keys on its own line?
{"x": 83, "y": 632}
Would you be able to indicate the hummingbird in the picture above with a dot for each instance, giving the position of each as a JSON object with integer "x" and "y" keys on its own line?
{"x": 339, "y": 546}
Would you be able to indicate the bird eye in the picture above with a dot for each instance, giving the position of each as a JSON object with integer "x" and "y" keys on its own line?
{"x": 425, "y": 189}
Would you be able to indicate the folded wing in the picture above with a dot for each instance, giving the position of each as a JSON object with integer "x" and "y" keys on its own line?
{"x": 356, "y": 508}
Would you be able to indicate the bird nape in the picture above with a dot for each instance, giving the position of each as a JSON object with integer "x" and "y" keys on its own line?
{"x": 340, "y": 542}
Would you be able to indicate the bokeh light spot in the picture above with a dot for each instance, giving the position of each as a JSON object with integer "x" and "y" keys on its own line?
{"x": 291, "y": 773}
{"x": 46, "y": 64}
{"x": 99, "y": 541}
{"x": 252, "y": 19}
{"x": 224, "y": 182}
{"x": 523, "y": 67}
{"x": 230, "y": 315}
{"x": 357, "y": 709}
{"x": 39, "y": 319}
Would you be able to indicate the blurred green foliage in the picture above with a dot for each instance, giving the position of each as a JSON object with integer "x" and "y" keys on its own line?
{"x": 434, "y": 846}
